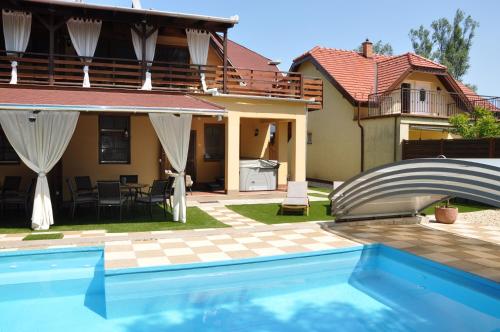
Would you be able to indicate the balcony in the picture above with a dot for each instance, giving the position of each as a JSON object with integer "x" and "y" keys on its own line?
{"x": 66, "y": 71}
{"x": 439, "y": 104}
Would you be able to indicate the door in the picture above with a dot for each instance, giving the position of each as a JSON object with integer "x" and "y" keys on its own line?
{"x": 405, "y": 97}
{"x": 421, "y": 98}
{"x": 191, "y": 160}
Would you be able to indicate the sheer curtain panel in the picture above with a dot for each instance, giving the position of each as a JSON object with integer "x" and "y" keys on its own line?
{"x": 16, "y": 32}
{"x": 173, "y": 132}
{"x": 40, "y": 140}
{"x": 84, "y": 35}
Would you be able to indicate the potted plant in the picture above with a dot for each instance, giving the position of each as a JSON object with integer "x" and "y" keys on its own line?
{"x": 445, "y": 213}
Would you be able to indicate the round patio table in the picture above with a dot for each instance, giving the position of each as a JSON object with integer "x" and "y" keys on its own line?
{"x": 133, "y": 186}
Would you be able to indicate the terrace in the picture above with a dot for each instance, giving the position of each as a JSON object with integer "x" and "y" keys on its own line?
{"x": 420, "y": 102}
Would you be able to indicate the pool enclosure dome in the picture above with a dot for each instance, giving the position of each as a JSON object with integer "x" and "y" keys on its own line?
{"x": 407, "y": 187}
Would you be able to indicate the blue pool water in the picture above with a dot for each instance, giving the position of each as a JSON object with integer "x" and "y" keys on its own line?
{"x": 371, "y": 288}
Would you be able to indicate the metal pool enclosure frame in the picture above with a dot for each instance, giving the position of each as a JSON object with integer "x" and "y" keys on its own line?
{"x": 407, "y": 187}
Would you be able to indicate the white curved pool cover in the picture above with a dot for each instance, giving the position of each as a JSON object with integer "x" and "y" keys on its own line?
{"x": 407, "y": 187}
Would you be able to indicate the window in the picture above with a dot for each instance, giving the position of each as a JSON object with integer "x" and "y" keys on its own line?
{"x": 114, "y": 139}
{"x": 422, "y": 94}
{"x": 214, "y": 142}
{"x": 309, "y": 138}
{"x": 7, "y": 153}
{"x": 172, "y": 54}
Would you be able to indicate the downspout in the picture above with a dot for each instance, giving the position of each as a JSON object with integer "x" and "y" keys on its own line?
{"x": 362, "y": 139}
{"x": 396, "y": 136}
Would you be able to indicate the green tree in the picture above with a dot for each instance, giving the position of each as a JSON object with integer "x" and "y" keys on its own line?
{"x": 421, "y": 42}
{"x": 481, "y": 123}
{"x": 449, "y": 43}
{"x": 379, "y": 48}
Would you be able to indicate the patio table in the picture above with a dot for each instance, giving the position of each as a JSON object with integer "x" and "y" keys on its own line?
{"x": 133, "y": 186}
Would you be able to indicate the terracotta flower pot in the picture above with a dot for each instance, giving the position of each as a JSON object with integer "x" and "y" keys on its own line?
{"x": 446, "y": 215}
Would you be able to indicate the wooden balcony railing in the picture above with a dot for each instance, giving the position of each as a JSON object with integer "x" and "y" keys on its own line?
{"x": 67, "y": 70}
{"x": 427, "y": 103}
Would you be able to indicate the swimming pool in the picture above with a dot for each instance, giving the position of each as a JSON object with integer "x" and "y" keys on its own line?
{"x": 366, "y": 288}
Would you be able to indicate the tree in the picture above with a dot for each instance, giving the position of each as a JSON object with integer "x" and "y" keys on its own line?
{"x": 449, "y": 43}
{"x": 379, "y": 48}
{"x": 481, "y": 123}
{"x": 421, "y": 42}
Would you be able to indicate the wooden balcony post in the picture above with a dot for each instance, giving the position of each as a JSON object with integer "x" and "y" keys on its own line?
{"x": 51, "y": 49}
{"x": 301, "y": 82}
{"x": 224, "y": 51}
{"x": 143, "y": 51}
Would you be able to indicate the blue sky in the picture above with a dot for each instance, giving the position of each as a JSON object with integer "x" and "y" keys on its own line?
{"x": 283, "y": 29}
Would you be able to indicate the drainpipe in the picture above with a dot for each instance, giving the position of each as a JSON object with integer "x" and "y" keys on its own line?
{"x": 396, "y": 136}
{"x": 362, "y": 140}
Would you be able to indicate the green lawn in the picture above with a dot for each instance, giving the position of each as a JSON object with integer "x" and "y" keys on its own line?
{"x": 322, "y": 189}
{"x": 51, "y": 236}
{"x": 87, "y": 220}
{"x": 462, "y": 208}
{"x": 270, "y": 213}
{"x": 325, "y": 196}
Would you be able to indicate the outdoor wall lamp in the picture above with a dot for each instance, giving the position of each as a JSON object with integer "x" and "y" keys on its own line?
{"x": 219, "y": 118}
{"x": 32, "y": 116}
{"x": 256, "y": 132}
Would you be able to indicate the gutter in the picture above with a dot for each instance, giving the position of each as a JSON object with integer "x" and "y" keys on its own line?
{"x": 225, "y": 95}
{"x": 124, "y": 109}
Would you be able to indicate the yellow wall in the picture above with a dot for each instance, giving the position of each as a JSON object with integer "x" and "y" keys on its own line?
{"x": 206, "y": 171}
{"x": 334, "y": 154}
{"x": 252, "y": 146}
{"x": 81, "y": 156}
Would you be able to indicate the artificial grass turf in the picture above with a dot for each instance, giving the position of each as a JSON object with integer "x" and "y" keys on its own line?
{"x": 270, "y": 213}
{"x": 86, "y": 219}
{"x": 50, "y": 236}
{"x": 326, "y": 190}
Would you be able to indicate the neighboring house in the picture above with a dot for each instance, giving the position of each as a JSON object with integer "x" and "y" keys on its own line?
{"x": 242, "y": 105}
{"x": 372, "y": 103}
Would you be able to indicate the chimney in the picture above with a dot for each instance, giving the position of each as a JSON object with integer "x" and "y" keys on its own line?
{"x": 367, "y": 48}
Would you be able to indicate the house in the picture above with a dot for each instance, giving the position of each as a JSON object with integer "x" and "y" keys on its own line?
{"x": 115, "y": 66}
{"x": 372, "y": 103}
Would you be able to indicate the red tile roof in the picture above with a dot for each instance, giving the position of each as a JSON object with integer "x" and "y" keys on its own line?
{"x": 93, "y": 97}
{"x": 359, "y": 76}
{"x": 243, "y": 57}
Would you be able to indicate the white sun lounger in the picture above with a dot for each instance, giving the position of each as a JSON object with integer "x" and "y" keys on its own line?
{"x": 296, "y": 197}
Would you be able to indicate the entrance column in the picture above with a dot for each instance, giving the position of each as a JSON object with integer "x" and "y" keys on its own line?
{"x": 298, "y": 149}
{"x": 282, "y": 144}
{"x": 232, "y": 153}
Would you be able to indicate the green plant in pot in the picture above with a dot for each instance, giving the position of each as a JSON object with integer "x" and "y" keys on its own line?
{"x": 445, "y": 213}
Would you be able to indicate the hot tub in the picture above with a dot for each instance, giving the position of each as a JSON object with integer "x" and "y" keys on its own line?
{"x": 258, "y": 174}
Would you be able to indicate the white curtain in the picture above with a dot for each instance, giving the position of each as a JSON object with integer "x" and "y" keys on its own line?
{"x": 150, "y": 48}
{"x": 173, "y": 132}
{"x": 84, "y": 35}
{"x": 136, "y": 4}
{"x": 16, "y": 32}
{"x": 40, "y": 140}
{"x": 198, "y": 44}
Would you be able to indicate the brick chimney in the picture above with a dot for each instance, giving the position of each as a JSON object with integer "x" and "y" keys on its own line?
{"x": 367, "y": 46}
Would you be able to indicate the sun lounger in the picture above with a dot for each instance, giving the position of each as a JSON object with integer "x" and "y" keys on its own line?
{"x": 296, "y": 198}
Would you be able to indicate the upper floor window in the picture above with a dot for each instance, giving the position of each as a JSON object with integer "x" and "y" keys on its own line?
{"x": 214, "y": 142}
{"x": 422, "y": 94}
{"x": 172, "y": 54}
{"x": 114, "y": 139}
{"x": 7, "y": 153}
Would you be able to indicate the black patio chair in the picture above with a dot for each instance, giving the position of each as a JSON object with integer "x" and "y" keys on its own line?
{"x": 158, "y": 193}
{"x": 78, "y": 199}
{"x": 22, "y": 199}
{"x": 84, "y": 185}
{"x": 109, "y": 195}
{"x": 11, "y": 185}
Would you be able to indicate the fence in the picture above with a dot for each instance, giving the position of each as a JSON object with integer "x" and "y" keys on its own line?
{"x": 453, "y": 148}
